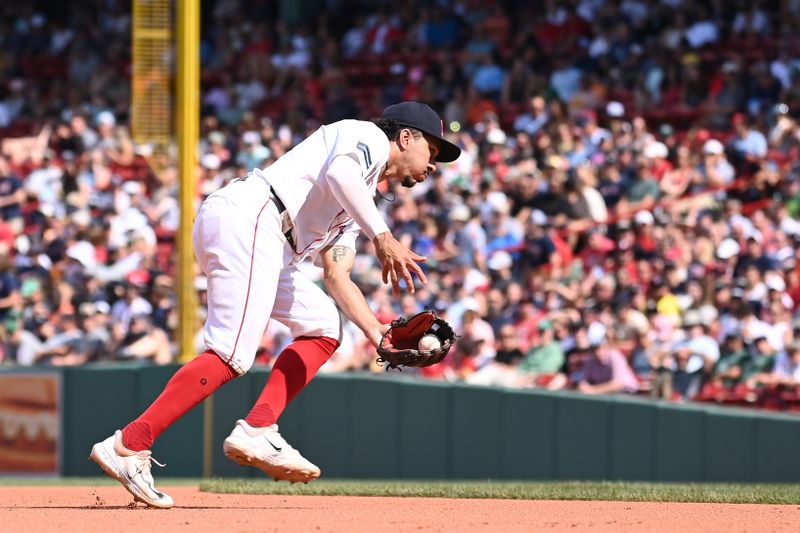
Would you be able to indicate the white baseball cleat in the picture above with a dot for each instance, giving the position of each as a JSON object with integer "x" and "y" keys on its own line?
{"x": 266, "y": 449}
{"x": 130, "y": 468}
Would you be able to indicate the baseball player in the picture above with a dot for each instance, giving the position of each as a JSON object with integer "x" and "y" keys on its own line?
{"x": 248, "y": 238}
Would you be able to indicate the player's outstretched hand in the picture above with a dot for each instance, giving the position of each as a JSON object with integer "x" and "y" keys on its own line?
{"x": 398, "y": 262}
{"x": 375, "y": 335}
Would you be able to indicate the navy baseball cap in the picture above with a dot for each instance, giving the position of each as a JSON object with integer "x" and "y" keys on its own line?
{"x": 423, "y": 118}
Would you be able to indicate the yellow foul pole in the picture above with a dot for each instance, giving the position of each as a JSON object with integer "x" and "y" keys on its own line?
{"x": 187, "y": 119}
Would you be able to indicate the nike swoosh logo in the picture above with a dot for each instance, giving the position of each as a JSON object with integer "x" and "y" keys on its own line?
{"x": 277, "y": 449}
{"x": 147, "y": 483}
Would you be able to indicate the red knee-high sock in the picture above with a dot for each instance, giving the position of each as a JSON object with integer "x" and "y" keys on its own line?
{"x": 190, "y": 385}
{"x": 295, "y": 368}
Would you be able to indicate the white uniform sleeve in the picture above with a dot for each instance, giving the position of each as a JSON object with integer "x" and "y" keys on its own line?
{"x": 347, "y": 239}
{"x": 351, "y": 191}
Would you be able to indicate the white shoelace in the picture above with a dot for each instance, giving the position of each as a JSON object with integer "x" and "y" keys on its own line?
{"x": 146, "y": 458}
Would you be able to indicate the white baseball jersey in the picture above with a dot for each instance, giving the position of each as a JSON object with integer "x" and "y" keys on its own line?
{"x": 300, "y": 179}
{"x": 327, "y": 184}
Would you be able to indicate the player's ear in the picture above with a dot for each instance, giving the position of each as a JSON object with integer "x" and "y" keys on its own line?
{"x": 404, "y": 139}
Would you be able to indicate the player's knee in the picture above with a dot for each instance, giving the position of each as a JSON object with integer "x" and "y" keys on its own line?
{"x": 238, "y": 363}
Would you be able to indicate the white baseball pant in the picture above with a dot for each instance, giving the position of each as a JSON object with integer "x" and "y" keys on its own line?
{"x": 240, "y": 248}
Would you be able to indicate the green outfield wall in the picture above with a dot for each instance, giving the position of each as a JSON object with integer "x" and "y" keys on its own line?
{"x": 397, "y": 427}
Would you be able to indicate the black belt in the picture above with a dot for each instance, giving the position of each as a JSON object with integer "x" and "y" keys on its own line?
{"x": 278, "y": 203}
{"x": 281, "y": 209}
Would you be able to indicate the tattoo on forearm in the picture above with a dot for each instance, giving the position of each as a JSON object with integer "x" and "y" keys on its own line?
{"x": 339, "y": 253}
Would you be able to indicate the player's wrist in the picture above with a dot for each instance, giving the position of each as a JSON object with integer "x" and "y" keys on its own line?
{"x": 381, "y": 237}
{"x": 375, "y": 333}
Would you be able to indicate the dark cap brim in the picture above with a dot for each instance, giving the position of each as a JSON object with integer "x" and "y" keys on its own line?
{"x": 447, "y": 151}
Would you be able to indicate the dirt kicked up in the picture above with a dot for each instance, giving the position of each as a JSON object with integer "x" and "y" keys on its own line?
{"x": 110, "y": 508}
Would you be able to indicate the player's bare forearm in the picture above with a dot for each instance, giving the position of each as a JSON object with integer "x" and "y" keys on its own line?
{"x": 337, "y": 262}
{"x": 352, "y": 303}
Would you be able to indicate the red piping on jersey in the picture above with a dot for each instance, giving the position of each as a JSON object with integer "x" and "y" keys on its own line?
{"x": 330, "y": 227}
{"x": 249, "y": 280}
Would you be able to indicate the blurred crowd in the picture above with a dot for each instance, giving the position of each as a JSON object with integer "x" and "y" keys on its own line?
{"x": 624, "y": 218}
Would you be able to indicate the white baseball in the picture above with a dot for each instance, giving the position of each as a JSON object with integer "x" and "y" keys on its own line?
{"x": 429, "y": 342}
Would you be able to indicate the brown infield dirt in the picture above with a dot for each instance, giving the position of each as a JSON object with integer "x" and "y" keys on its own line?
{"x": 110, "y": 509}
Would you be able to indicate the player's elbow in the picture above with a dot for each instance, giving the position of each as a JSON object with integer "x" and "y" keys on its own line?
{"x": 334, "y": 280}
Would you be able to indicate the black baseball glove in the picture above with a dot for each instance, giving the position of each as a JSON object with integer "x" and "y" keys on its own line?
{"x": 399, "y": 346}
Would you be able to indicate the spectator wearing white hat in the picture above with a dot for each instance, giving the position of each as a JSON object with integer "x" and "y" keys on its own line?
{"x": 253, "y": 153}
{"x": 211, "y": 177}
{"x": 715, "y": 170}
{"x": 105, "y": 122}
{"x": 615, "y": 110}
{"x": 695, "y": 358}
{"x": 727, "y": 253}
{"x": 500, "y": 264}
{"x": 466, "y": 238}
{"x": 217, "y": 144}
{"x": 656, "y": 156}
{"x": 505, "y": 231}
{"x": 210, "y": 161}
{"x": 644, "y": 218}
